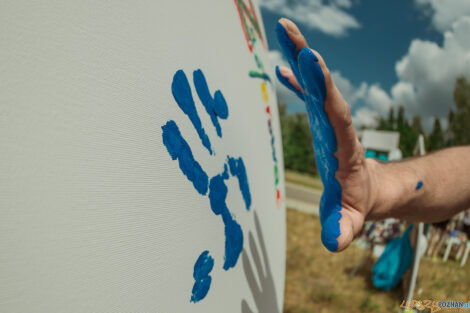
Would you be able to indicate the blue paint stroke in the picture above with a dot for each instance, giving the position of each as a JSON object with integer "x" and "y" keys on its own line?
{"x": 233, "y": 232}
{"x": 287, "y": 84}
{"x": 182, "y": 94}
{"x": 202, "y": 269}
{"x": 179, "y": 150}
{"x": 215, "y": 106}
{"x": 419, "y": 185}
{"x": 237, "y": 168}
{"x": 310, "y": 77}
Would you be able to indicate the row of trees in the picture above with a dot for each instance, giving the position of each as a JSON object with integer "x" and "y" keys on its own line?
{"x": 297, "y": 139}
{"x": 456, "y": 133}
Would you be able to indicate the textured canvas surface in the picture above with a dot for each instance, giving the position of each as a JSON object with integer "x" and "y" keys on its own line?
{"x": 141, "y": 161}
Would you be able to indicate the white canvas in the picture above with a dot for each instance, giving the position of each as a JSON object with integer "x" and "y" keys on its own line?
{"x": 96, "y": 216}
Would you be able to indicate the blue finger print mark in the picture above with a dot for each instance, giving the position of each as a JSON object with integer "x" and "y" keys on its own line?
{"x": 215, "y": 188}
{"x": 237, "y": 168}
{"x": 179, "y": 150}
{"x": 215, "y": 106}
{"x": 310, "y": 77}
{"x": 202, "y": 269}
{"x": 182, "y": 94}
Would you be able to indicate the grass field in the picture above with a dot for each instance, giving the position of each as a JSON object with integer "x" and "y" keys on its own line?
{"x": 303, "y": 179}
{"x": 318, "y": 281}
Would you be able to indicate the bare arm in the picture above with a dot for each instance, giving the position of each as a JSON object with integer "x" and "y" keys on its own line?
{"x": 429, "y": 188}
{"x": 445, "y": 190}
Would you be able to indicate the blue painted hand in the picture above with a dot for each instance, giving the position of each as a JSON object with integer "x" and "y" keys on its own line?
{"x": 215, "y": 187}
{"x": 346, "y": 199}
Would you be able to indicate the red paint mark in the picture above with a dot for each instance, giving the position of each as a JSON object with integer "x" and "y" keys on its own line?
{"x": 278, "y": 198}
{"x": 247, "y": 11}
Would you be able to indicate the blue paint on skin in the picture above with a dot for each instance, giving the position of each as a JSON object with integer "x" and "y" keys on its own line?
{"x": 179, "y": 150}
{"x": 202, "y": 269}
{"x": 289, "y": 50}
{"x": 215, "y": 106}
{"x": 288, "y": 85}
{"x": 233, "y": 233}
{"x": 237, "y": 168}
{"x": 182, "y": 94}
{"x": 310, "y": 77}
{"x": 419, "y": 185}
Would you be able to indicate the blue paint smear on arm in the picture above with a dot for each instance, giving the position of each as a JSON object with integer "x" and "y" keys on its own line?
{"x": 310, "y": 77}
{"x": 288, "y": 85}
{"x": 233, "y": 232}
{"x": 215, "y": 106}
{"x": 179, "y": 150}
{"x": 237, "y": 168}
{"x": 419, "y": 185}
{"x": 182, "y": 94}
{"x": 202, "y": 269}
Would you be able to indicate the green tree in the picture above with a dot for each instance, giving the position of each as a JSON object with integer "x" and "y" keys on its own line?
{"x": 297, "y": 142}
{"x": 436, "y": 138}
{"x": 391, "y": 119}
{"x": 417, "y": 124}
{"x": 401, "y": 120}
{"x": 408, "y": 133}
{"x": 387, "y": 124}
{"x": 459, "y": 121}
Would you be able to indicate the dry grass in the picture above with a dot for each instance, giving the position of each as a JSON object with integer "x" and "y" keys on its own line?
{"x": 303, "y": 179}
{"x": 318, "y": 281}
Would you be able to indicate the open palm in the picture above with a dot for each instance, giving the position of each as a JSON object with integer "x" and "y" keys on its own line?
{"x": 348, "y": 185}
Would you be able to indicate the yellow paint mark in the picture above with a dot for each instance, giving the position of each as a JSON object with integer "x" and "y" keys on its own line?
{"x": 264, "y": 92}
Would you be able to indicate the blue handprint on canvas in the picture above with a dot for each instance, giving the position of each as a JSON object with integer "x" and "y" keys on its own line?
{"x": 215, "y": 187}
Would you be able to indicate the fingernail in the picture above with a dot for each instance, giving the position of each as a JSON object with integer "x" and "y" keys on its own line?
{"x": 291, "y": 28}
{"x": 284, "y": 71}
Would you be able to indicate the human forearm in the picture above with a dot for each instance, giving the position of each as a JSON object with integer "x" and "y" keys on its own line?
{"x": 445, "y": 190}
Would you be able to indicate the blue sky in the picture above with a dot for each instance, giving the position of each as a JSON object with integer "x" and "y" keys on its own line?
{"x": 382, "y": 52}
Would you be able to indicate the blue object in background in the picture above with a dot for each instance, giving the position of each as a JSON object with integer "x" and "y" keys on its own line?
{"x": 382, "y": 157}
{"x": 394, "y": 262}
{"x": 370, "y": 154}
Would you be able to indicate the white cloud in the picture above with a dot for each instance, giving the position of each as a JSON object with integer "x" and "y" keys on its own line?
{"x": 377, "y": 98}
{"x": 330, "y": 18}
{"x": 445, "y": 12}
{"x": 427, "y": 72}
{"x": 365, "y": 117}
{"x": 426, "y": 79}
{"x": 372, "y": 99}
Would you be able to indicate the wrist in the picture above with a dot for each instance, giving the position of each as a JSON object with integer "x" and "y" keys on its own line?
{"x": 393, "y": 189}
{"x": 385, "y": 190}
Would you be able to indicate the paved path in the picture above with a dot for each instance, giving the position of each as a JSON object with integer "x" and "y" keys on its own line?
{"x": 303, "y": 198}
